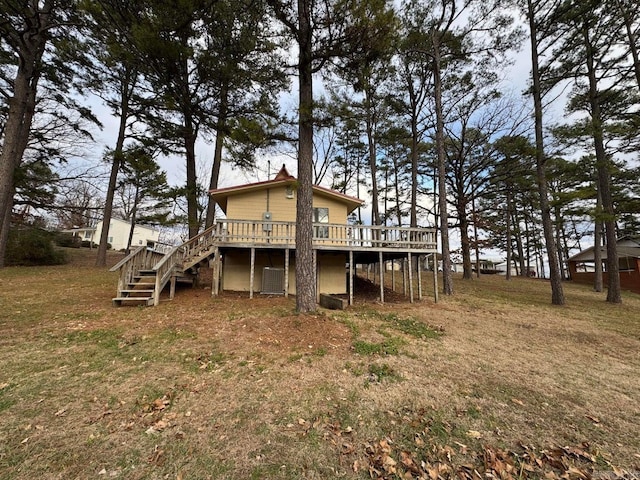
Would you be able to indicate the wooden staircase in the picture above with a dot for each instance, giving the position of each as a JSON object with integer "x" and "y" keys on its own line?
{"x": 144, "y": 273}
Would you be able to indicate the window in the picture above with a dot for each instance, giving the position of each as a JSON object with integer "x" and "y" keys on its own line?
{"x": 321, "y": 215}
{"x": 109, "y": 239}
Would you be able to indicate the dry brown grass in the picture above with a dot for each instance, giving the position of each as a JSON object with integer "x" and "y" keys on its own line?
{"x": 236, "y": 388}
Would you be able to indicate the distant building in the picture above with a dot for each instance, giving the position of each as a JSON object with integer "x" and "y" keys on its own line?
{"x": 582, "y": 265}
{"x": 118, "y": 234}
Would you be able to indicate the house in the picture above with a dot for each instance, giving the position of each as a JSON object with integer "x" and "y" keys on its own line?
{"x": 582, "y": 265}
{"x": 118, "y": 234}
{"x": 253, "y": 248}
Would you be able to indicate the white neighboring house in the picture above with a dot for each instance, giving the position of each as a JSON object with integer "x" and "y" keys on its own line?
{"x": 119, "y": 234}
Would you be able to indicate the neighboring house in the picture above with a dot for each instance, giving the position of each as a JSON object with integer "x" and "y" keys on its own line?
{"x": 118, "y": 234}
{"x": 582, "y": 265}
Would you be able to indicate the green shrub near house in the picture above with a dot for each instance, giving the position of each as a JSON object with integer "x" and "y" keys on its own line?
{"x": 31, "y": 246}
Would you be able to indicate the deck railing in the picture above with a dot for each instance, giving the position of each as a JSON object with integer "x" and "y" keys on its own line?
{"x": 140, "y": 259}
{"x": 258, "y": 233}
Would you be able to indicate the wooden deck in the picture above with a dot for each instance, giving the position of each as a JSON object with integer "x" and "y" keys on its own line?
{"x": 327, "y": 236}
{"x": 145, "y": 273}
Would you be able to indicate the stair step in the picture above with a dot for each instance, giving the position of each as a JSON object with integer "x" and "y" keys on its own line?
{"x": 140, "y": 277}
{"x": 133, "y": 290}
{"x": 147, "y": 272}
{"x": 118, "y": 301}
{"x": 142, "y": 284}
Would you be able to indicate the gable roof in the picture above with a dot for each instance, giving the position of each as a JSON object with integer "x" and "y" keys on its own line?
{"x": 282, "y": 179}
{"x": 626, "y": 246}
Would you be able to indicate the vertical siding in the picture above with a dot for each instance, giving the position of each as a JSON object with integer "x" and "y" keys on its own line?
{"x": 251, "y": 206}
{"x": 237, "y": 266}
{"x": 332, "y": 273}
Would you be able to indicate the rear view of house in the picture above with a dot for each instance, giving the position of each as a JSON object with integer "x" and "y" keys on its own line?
{"x": 253, "y": 248}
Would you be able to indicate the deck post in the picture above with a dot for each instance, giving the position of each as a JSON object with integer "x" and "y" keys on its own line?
{"x": 410, "y": 273}
{"x": 419, "y": 277}
{"x": 435, "y": 277}
{"x": 381, "y": 277}
{"x": 215, "y": 278}
{"x": 172, "y": 287}
{"x": 404, "y": 277}
{"x": 317, "y": 270}
{"x": 156, "y": 292}
{"x": 252, "y": 271}
{"x": 286, "y": 272}
{"x": 393, "y": 274}
{"x": 350, "y": 277}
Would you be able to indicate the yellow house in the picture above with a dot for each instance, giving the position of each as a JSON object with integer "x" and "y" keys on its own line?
{"x": 257, "y": 239}
{"x": 253, "y": 248}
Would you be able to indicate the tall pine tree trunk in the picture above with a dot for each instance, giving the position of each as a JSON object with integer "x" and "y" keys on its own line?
{"x": 101, "y": 259}
{"x": 305, "y": 266}
{"x": 447, "y": 279}
{"x": 372, "y": 156}
{"x": 508, "y": 228}
{"x": 20, "y": 113}
{"x": 557, "y": 292}
{"x": 221, "y": 127}
{"x": 603, "y": 166}
{"x": 597, "y": 244}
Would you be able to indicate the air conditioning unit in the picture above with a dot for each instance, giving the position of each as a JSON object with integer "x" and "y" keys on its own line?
{"x": 272, "y": 281}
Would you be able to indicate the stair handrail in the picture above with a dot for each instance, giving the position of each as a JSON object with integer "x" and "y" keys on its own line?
{"x": 164, "y": 269}
{"x": 201, "y": 242}
{"x": 127, "y": 258}
{"x": 130, "y": 265}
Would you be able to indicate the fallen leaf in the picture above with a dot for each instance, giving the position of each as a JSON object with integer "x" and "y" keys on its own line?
{"x": 518, "y": 402}
{"x": 474, "y": 434}
{"x": 593, "y": 419}
{"x": 61, "y": 412}
{"x": 25, "y": 440}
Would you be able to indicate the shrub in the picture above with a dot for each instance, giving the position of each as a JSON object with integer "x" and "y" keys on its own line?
{"x": 32, "y": 246}
{"x": 67, "y": 240}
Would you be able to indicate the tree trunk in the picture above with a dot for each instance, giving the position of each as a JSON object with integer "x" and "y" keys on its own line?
{"x": 519, "y": 246}
{"x": 19, "y": 117}
{"x": 508, "y": 227}
{"x": 597, "y": 244}
{"x": 305, "y": 266}
{"x": 221, "y": 127}
{"x": 101, "y": 259}
{"x": 558, "y": 228}
{"x": 413, "y": 218}
{"x": 373, "y": 161}
{"x": 447, "y": 280}
{"x": 557, "y": 293}
{"x": 134, "y": 212}
{"x": 192, "y": 181}
{"x": 465, "y": 243}
{"x": 603, "y": 166}
{"x": 631, "y": 35}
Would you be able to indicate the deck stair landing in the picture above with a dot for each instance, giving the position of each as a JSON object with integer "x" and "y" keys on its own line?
{"x": 145, "y": 272}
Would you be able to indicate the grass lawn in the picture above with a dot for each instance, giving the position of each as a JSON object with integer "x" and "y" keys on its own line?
{"x": 493, "y": 382}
